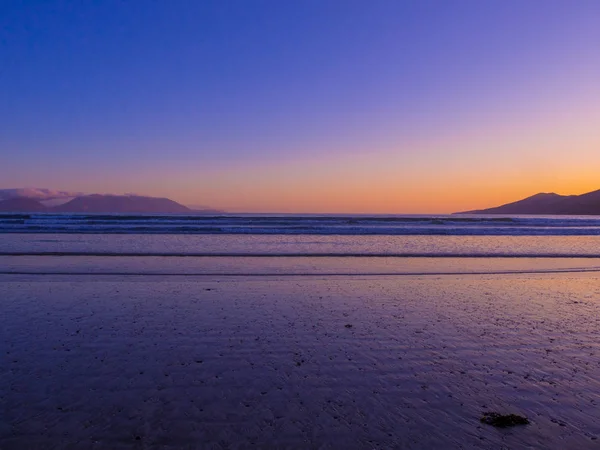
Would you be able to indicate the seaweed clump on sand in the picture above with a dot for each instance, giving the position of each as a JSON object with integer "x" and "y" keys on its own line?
{"x": 503, "y": 420}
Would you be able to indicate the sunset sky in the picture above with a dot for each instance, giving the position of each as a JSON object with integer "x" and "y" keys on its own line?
{"x": 374, "y": 106}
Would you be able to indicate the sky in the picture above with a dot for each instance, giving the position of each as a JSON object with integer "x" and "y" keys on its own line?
{"x": 370, "y": 106}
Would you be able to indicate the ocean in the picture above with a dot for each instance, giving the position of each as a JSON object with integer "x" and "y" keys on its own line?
{"x": 296, "y": 244}
{"x": 326, "y": 225}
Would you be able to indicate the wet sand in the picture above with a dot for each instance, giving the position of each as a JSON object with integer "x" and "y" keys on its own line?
{"x": 299, "y": 362}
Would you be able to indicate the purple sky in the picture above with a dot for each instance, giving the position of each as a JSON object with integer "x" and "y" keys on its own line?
{"x": 308, "y": 106}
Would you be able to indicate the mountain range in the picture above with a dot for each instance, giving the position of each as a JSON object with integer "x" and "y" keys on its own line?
{"x": 20, "y": 201}
{"x": 549, "y": 204}
{"x": 97, "y": 203}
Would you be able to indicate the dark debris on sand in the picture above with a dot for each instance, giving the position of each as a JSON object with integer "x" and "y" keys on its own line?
{"x": 503, "y": 420}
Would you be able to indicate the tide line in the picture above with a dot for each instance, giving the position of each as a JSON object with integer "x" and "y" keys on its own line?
{"x": 304, "y": 255}
{"x": 307, "y": 274}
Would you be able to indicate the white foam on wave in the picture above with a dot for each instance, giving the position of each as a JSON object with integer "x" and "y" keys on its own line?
{"x": 300, "y": 225}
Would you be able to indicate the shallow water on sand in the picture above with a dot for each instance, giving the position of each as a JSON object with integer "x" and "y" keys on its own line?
{"x": 286, "y": 265}
{"x": 302, "y": 245}
{"x": 356, "y": 361}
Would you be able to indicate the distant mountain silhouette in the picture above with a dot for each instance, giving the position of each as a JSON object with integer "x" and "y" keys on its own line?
{"x": 21, "y": 204}
{"x": 97, "y": 203}
{"x": 548, "y": 204}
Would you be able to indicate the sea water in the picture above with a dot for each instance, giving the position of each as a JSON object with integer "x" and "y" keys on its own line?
{"x": 296, "y": 244}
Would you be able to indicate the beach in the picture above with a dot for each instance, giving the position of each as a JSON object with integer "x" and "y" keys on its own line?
{"x": 298, "y": 360}
{"x": 328, "y": 225}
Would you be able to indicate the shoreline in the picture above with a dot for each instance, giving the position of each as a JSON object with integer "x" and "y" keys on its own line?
{"x": 270, "y": 361}
{"x": 331, "y": 266}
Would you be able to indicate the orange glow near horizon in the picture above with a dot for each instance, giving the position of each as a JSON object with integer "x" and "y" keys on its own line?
{"x": 474, "y": 163}
{"x": 386, "y": 194}
{"x": 446, "y": 175}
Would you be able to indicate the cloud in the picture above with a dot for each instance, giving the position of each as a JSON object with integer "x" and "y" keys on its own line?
{"x": 37, "y": 193}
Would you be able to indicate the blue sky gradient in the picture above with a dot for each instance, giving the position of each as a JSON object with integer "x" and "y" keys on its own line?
{"x": 301, "y": 106}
